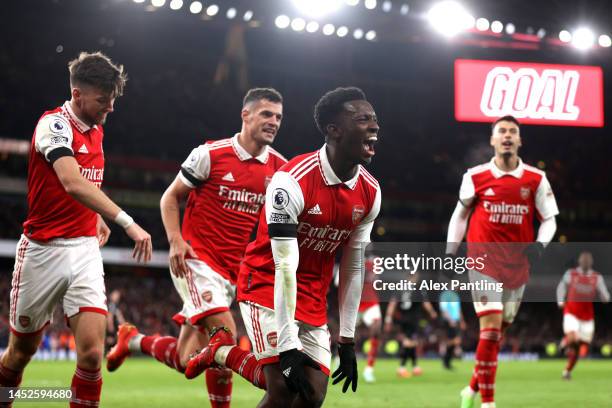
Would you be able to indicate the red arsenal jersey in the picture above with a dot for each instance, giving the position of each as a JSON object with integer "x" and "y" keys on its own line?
{"x": 228, "y": 194}
{"x": 52, "y": 213}
{"x": 582, "y": 289}
{"x": 505, "y": 205}
{"x": 328, "y": 212}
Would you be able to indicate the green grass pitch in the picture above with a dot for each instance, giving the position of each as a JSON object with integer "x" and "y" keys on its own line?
{"x": 143, "y": 382}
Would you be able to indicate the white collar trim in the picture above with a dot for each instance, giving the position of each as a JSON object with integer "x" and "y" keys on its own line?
{"x": 244, "y": 155}
{"x": 80, "y": 125}
{"x": 328, "y": 174}
{"x": 497, "y": 172}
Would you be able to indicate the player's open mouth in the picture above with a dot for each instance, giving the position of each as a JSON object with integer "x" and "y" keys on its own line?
{"x": 507, "y": 144}
{"x": 269, "y": 131}
{"x": 368, "y": 145}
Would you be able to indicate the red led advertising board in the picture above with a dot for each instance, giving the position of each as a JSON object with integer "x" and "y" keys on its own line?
{"x": 543, "y": 94}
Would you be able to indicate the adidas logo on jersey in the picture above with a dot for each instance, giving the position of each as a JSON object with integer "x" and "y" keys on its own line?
{"x": 489, "y": 192}
{"x": 83, "y": 149}
{"x": 228, "y": 177}
{"x": 316, "y": 210}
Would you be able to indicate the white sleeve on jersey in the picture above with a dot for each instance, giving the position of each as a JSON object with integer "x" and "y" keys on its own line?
{"x": 562, "y": 287}
{"x": 604, "y": 295}
{"x": 284, "y": 199}
{"x": 547, "y": 230}
{"x": 197, "y": 165}
{"x": 52, "y": 132}
{"x": 545, "y": 200}
{"x": 350, "y": 275}
{"x": 467, "y": 191}
{"x": 286, "y": 254}
{"x": 457, "y": 227}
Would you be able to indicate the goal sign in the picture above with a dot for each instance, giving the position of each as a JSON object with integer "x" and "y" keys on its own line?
{"x": 544, "y": 94}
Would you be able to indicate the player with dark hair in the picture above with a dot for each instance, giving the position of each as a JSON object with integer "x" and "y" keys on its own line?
{"x": 58, "y": 256}
{"x": 316, "y": 204}
{"x": 224, "y": 184}
{"x": 576, "y": 293}
{"x": 501, "y": 200}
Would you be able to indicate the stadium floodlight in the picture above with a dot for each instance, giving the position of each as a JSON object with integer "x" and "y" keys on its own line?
{"x": 450, "y": 18}
{"x": 231, "y": 13}
{"x": 248, "y": 15}
{"x": 139, "y": 1}
{"x": 370, "y": 35}
{"x": 342, "y": 31}
{"x": 176, "y": 4}
{"x": 282, "y": 21}
{"x": 565, "y": 36}
{"x": 312, "y": 27}
{"x": 358, "y": 33}
{"x": 317, "y": 8}
{"x": 212, "y": 10}
{"x": 510, "y": 29}
{"x": 404, "y": 9}
{"x": 370, "y": 4}
{"x": 386, "y": 6}
{"x": 298, "y": 24}
{"x": 605, "y": 41}
{"x": 195, "y": 7}
{"x": 352, "y": 2}
{"x": 497, "y": 27}
{"x": 158, "y": 3}
{"x": 329, "y": 29}
{"x": 583, "y": 38}
{"x": 541, "y": 33}
{"x": 482, "y": 24}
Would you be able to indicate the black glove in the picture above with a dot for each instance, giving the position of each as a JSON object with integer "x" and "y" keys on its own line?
{"x": 534, "y": 252}
{"x": 292, "y": 363}
{"x": 348, "y": 367}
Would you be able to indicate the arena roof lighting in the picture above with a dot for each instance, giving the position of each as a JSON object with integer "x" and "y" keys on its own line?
{"x": 605, "y": 41}
{"x": 583, "y": 38}
{"x": 510, "y": 28}
{"x": 370, "y": 4}
{"x": 342, "y": 31}
{"x": 565, "y": 36}
{"x": 404, "y": 9}
{"x": 312, "y": 27}
{"x": 370, "y": 35}
{"x": 298, "y": 24}
{"x": 317, "y": 8}
{"x": 329, "y": 29}
{"x": 139, "y": 1}
{"x": 231, "y": 13}
{"x": 212, "y": 10}
{"x": 386, "y": 6}
{"x": 282, "y": 21}
{"x": 176, "y": 4}
{"x": 482, "y": 24}
{"x": 450, "y": 18}
{"x": 358, "y": 34}
{"x": 248, "y": 15}
{"x": 497, "y": 27}
{"x": 195, "y": 7}
{"x": 352, "y": 2}
{"x": 158, "y": 3}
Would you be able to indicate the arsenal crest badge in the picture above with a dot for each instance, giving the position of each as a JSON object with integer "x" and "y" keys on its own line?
{"x": 24, "y": 321}
{"x": 525, "y": 192}
{"x": 358, "y": 213}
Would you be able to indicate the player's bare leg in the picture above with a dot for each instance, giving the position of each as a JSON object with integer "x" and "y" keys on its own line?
{"x": 89, "y": 331}
{"x": 573, "y": 352}
{"x": 17, "y": 355}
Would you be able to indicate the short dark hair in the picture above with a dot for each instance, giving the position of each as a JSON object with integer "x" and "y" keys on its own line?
{"x": 507, "y": 118}
{"x": 97, "y": 70}
{"x": 257, "y": 94}
{"x": 332, "y": 103}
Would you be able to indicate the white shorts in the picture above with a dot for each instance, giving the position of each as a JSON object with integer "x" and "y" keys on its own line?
{"x": 69, "y": 270}
{"x": 583, "y": 328}
{"x": 204, "y": 292}
{"x": 261, "y": 327}
{"x": 370, "y": 315}
{"x": 488, "y": 302}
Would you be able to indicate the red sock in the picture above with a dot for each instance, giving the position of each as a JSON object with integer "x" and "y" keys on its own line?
{"x": 486, "y": 362}
{"x": 86, "y": 388}
{"x": 474, "y": 380}
{"x": 219, "y": 384}
{"x": 572, "y": 356}
{"x": 163, "y": 349}
{"x": 373, "y": 351}
{"x": 245, "y": 364}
